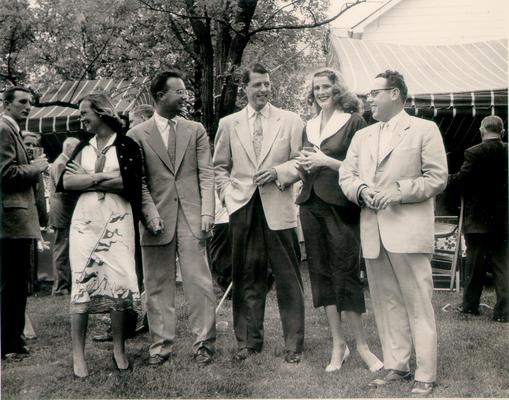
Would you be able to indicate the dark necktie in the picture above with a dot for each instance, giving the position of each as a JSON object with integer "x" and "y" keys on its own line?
{"x": 172, "y": 142}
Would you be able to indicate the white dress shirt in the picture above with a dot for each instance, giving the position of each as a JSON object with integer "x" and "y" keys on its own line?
{"x": 387, "y": 133}
{"x": 164, "y": 128}
{"x": 264, "y": 113}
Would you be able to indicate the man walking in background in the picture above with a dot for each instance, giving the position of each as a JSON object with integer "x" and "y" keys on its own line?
{"x": 19, "y": 219}
{"x": 482, "y": 181}
{"x": 255, "y": 169}
{"x": 178, "y": 210}
{"x": 60, "y": 214}
{"x": 393, "y": 169}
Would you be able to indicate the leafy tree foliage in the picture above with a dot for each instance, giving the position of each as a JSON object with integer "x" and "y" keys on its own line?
{"x": 50, "y": 41}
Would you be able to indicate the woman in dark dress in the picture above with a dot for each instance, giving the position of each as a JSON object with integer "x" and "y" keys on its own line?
{"x": 329, "y": 221}
{"x": 107, "y": 171}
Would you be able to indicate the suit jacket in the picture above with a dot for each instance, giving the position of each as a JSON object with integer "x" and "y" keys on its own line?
{"x": 334, "y": 142}
{"x": 415, "y": 160}
{"x": 61, "y": 203}
{"x": 235, "y": 164}
{"x": 19, "y": 219}
{"x": 190, "y": 183}
{"x": 482, "y": 181}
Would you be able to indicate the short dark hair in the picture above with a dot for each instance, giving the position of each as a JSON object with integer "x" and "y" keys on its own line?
{"x": 395, "y": 79}
{"x": 144, "y": 110}
{"x": 256, "y": 68}
{"x": 101, "y": 104}
{"x": 10, "y": 93}
{"x": 493, "y": 124}
{"x": 158, "y": 83}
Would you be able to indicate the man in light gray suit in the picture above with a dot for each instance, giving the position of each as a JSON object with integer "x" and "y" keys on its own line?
{"x": 255, "y": 169}
{"x": 393, "y": 169}
{"x": 18, "y": 218}
{"x": 178, "y": 205}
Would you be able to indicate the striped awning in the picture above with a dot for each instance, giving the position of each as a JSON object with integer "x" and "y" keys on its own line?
{"x": 124, "y": 93}
{"x": 470, "y": 75}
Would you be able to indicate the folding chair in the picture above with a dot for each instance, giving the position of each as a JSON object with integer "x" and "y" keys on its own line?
{"x": 447, "y": 256}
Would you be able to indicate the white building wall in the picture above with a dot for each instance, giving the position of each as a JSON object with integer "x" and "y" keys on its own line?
{"x": 440, "y": 22}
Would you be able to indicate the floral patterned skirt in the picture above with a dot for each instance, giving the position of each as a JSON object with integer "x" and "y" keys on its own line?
{"x": 102, "y": 255}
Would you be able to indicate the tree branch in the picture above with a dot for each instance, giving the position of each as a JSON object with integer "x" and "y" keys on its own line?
{"x": 54, "y": 103}
{"x": 315, "y": 24}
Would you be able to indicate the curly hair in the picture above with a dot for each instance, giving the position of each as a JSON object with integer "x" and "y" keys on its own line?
{"x": 101, "y": 104}
{"x": 341, "y": 96}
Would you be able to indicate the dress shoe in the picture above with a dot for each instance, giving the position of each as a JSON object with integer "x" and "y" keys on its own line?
{"x": 463, "y": 310}
{"x": 392, "y": 376}
{"x": 422, "y": 389}
{"x": 293, "y": 357}
{"x": 244, "y": 353}
{"x": 333, "y": 366}
{"x": 105, "y": 337}
{"x": 158, "y": 359}
{"x": 500, "y": 318}
{"x": 203, "y": 356}
{"x": 128, "y": 368}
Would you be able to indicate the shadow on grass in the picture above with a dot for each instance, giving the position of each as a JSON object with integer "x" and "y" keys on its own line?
{"x": 472, "y": 359}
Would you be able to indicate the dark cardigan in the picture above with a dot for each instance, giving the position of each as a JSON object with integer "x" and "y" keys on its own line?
{"x": 130, "y": 160}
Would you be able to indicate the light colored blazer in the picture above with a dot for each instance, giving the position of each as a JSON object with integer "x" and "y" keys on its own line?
{"x": 190, "y": 182}
{"x": 416, "y": 161}
{"x": 235, "y": 164}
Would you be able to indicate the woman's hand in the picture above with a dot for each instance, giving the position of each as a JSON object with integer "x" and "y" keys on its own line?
{"x": 74, "y": 168}
{"x": 311, "y": 160}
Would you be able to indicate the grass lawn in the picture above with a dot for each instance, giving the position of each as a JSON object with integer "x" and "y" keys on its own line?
{"x": 473, "y": 359}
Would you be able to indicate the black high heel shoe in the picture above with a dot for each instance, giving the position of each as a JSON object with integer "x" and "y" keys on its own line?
{"x": 129, "y": 366}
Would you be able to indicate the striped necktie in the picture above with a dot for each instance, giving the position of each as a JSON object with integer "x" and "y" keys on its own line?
{"x": 172, "y": 141}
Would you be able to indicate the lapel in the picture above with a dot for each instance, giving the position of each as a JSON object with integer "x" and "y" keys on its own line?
{"x": 155, "y": 141}
{"x": 244, "y": 134}
{"x": 313, "y": 130}
{"x": 373, "y": 141}
{"x": 335, "y": 123}
{"x": 398, "y": 133}
{"x": 273, "y": 127}
{"x": 17, "y": 136}
{"x": 182, "y": 140}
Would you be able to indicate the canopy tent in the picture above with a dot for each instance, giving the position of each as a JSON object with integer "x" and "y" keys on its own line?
{"x": 124, "y": 93}
{"x": 455, "y": 85}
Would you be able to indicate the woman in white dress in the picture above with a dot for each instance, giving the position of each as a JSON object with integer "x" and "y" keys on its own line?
{"x": 107, "y": 171}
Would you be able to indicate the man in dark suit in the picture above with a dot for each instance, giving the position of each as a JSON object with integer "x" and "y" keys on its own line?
{"x": 60, "y": 214}
{"x": 178, "y": 206}
{"x": 255, "y": 169}
{"x": 19, "y": 219}
{"x": 482, "y": 181}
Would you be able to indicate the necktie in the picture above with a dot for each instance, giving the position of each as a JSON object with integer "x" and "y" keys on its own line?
{"x": 99, "y": 165}
{"x": 172, "y": 142}
{"x": 257, "y": 134}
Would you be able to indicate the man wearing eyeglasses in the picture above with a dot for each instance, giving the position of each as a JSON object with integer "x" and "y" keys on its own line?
{"x": 393, "y": 169}
{"x": 178, "y": 212}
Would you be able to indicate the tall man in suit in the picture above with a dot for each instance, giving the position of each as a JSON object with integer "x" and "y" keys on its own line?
{"x": 393, "y": 169}
{"x": 482, "y": 181}
{"x": 19, "y": 219}
{"x": 255, "y": 169}
{"x": 60, "y": 214}
{"x": 178, "y": 205}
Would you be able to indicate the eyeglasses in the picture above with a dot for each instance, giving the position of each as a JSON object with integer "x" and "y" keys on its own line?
{"x": 180, "y": 92}
{"x": 374, "y": 93}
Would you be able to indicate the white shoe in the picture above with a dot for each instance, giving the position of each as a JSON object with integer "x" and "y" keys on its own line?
{"x": 337, "y": 366}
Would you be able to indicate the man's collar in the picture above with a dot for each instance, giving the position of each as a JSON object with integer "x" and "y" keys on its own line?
{"x": 265, "y": 111}
{"x": 12, "y": 121}
{"x": 160, "y": 120}
{"x": 394, "y": 121}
